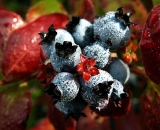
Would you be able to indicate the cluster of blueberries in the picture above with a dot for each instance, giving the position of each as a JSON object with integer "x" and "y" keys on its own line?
{"x": 86, "y": 72}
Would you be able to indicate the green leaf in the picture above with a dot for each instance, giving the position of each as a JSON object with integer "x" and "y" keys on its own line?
{"x": 156, "y": 2}
{"x": 44, "y": 7}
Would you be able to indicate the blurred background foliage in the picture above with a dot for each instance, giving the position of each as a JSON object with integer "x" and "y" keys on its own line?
{"x": 22, "y": 7}
{"x": 72, "y": 7}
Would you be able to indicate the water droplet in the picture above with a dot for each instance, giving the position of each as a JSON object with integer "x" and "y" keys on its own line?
{"x": 146, "y": 34}
{"x": 151, "y": 21}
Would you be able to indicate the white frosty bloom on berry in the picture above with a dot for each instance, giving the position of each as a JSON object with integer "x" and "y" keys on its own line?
{"x": 65, "y": 54}
{"x": 89, "y": 87}
{"x": 100, "y": 53}
{"x": 72, "y": 108}
{"x": 81, "y": 30}
{"x": 63, "y": 35}
{"x": 67, "y": 85}
{"x": 110, "y": 27}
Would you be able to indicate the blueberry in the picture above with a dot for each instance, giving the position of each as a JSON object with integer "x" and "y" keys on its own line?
{"x": 65, "y": 54}
{"x": 81, "y": 30}
{"x": 72, "y": 108}
{"x": 112, "y": 27}
{"x": 119, "y": 70}
{"x": 98, "y": 52}
{"x": 118, "y": 93}
{"x": 64, "y": 87}
{"x": 91, "y": 90}
{"x": 48, "y": 38}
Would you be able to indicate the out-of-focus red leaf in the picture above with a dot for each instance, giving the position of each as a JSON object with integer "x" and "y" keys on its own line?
{"x": 93, "y": 122}
{"x": 20, "y": 59}
{"x": 148, "y": 4}
{"x": 2, "y": 7}
{"x": 14, "y": 109}
{"x": 9, "y": 21}
{"x": 58, "y": 120}
{"x": 45, "y": 124}
{"x": 150, "y": 45}
{"x": 131, "y": 121}
{"x": 134, "y": 120}
{"x": 83, "y": 8}
{"x": 44, "y": 7}
{"x": 151, "y": 106}
{"x": 73, "y": 5}
{"x": 86, "y": 10}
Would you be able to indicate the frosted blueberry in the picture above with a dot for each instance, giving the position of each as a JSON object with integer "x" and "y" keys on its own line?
{"x": 81, "y": 30}
{"x": 112, "y": 26}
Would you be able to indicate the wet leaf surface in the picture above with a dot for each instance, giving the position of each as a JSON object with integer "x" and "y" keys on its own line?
{"x": 151, "y": 106}
{"x": 14, "y": 109}
{"x": 9, "y": 21}
{"x": 22, "y": 53}
{"x": 150, "y": 45}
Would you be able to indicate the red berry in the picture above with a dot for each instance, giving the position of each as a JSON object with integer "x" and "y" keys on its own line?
{"x": 150, "y": 45}
{"x": 20, "y": 59}
{"x": 9, "y": 21}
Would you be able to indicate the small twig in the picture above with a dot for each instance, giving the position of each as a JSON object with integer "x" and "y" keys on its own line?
{"x": 139, "y": 72}
{"x": 2, "y": 82}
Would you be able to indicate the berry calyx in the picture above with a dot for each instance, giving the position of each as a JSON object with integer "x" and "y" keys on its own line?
{"x": 86, "y": 67}
{"x": 72, "y": 24}
{"x": 53, "y": 90}
{"x": 48, "y": 37}
{"x": 102, "y": 89}
{"x": 125, "y": 18}
{"x": 66, "y": 49}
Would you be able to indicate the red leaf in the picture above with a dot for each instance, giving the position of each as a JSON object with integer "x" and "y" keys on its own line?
{"x": 45, "y": 124}
{"x": 93, "y": 122}
{"x": 22, "y": 53}
{"x": 86, "y": 10}
{"x": 150, "y": 44}
{"x": 9, "y": 21}
{"x": 14, "y": 109}
{"x": 151, "y": 106}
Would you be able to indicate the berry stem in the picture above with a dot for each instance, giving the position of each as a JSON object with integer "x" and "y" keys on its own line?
{"x": 2, "y": 82}
{"x": 139, "y": 72}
